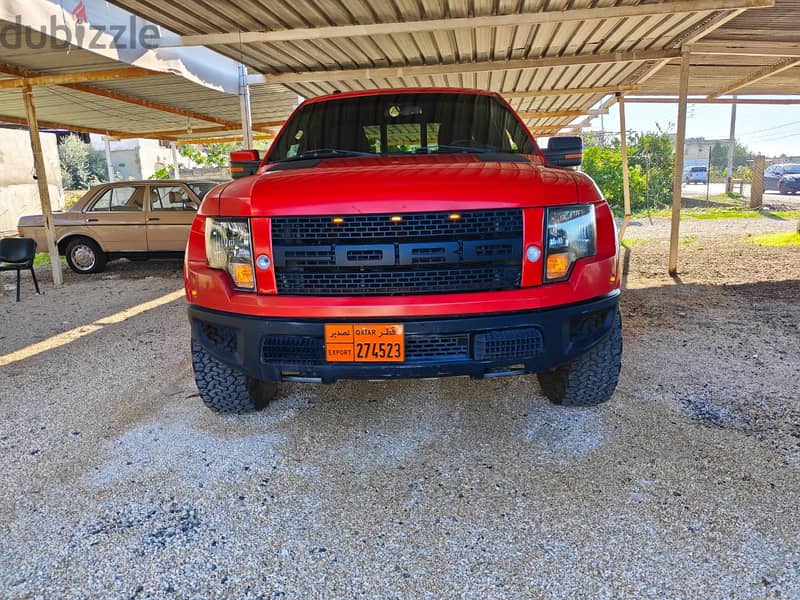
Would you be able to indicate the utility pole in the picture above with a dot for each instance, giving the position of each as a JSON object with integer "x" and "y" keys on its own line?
{"x": 109, "y": 160}
{"x": 731, "y": 149}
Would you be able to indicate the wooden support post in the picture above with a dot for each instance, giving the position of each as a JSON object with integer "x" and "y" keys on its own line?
{"x": 623, "y": 141}
{"x": 677, "y": 178}
{"x": 731, "y": 150}
{"x": 757, "y": 182}
{"x": 41, "y": 180}
{"x": 109, "y": 160}
{"x": 176, "y": 168}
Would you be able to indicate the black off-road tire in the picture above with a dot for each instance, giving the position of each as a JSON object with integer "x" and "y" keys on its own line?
{"x": 98, "y": 263}
{"x": 224, "y": 389}
{"x": 589, "y": 379}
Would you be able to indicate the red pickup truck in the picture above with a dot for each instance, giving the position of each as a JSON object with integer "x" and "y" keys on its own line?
{"x": 404, "y": 233}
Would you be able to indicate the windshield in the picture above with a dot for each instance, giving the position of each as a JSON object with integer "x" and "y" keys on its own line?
{"x": 201, "y": 188}
{"x": 405, "y": 123}
{"x": 792, "y": 169}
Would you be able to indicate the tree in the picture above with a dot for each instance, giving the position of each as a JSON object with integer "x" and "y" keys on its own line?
{"x": 719, "y": 156}
{"x": 81, "y": 165}
{"x": 209, "y": 155}
{"x": 650, "y": 167}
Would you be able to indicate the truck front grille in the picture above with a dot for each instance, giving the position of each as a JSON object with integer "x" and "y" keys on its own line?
{"x": 416, "y": 253}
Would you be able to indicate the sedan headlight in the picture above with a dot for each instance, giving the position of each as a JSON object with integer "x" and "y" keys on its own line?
{"x": 571, "y": 234}
{"x": 229, "y": 247}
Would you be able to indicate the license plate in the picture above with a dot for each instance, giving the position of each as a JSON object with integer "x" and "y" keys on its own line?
{"x": 369, "y": 342}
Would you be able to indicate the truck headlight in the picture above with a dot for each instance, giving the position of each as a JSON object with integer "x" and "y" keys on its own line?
{"x": 571, "y": 234}
{"x": 229, "y": 247}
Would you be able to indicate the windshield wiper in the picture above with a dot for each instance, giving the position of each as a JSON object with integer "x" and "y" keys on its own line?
{"x": 329, "y": 153}
{"x": 475, "y": 149}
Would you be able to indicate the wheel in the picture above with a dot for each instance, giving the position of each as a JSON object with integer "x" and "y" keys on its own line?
{"x": 84, "y": 256}
{"x": 782, "y": 189}
{"x": 224, "y": 389}
{"x": 589, "y": 379}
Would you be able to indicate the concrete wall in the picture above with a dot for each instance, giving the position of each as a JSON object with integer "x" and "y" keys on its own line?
{"x": 19, "y": 193}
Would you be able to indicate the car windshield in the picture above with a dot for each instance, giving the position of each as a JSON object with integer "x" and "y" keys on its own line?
{"x": 792, "y": 169}
{"x": 402, "y": 124}
{"x": 200, "y": 188}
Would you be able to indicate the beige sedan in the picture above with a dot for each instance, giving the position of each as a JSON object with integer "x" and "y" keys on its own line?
{"x": 131, "y": 219}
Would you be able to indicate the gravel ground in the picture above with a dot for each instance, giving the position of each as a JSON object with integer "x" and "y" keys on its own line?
{"x": 116, "y": 482}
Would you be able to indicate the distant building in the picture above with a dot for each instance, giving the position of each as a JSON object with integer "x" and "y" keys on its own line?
{"x": 136, "y": 158}
{"x": 697, "y": 150}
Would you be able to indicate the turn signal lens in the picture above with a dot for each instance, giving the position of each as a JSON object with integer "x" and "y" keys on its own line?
{"x": 242, "y": 275}
{"x": 396, "y": 219}
{"x": 338, "y": 220}
{"x": 557, "y": 265}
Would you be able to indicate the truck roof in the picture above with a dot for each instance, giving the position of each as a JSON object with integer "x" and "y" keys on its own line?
{"x": 392, "y": 91}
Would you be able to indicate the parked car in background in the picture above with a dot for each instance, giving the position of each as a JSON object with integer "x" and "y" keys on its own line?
{"x": 131, "y": 219}
{"x": 696, "y": 175}
{"x": 785, "y": 178}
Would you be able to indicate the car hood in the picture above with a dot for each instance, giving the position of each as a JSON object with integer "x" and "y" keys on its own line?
{"x": 401, "y": 184}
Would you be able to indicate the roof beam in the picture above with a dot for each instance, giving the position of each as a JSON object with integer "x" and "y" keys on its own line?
{"x": 78, "y": 128}
{"x": 263, "y": 127}
{"x": 120, "y": 97}
{"x": 222, "y": 140}
{"x": 79, "y": 77}
{"x": 560, "y": 114}
{"x": 525, "y": 18}
{"x": 756, "y": 76}
{"x": 26, "y": 74}
{"x": 737, "y": 100}
{"x": 728, "y": 48}
{"x": 472, "y": 67}
{"x": 572, "y": 91}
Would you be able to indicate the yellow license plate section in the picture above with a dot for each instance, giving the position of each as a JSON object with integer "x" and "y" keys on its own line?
{"x": 370, "y": 342}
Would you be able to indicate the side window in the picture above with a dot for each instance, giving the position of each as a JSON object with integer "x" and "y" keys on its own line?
{"x": 103, "y": 203}
{"x": 171, "y": 197}
{"x": 778, "y": 170}
{"x": 126, "y": 199}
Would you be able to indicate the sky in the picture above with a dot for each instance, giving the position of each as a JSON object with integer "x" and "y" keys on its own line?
{"x": 764, "y": 129}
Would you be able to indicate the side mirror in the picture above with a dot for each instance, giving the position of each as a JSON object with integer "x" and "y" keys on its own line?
{"x": 244, "y": 163}
{"x": 564, "y": 152}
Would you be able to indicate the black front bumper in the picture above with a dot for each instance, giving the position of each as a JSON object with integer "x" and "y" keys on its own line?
{"x": 477, "y": 346}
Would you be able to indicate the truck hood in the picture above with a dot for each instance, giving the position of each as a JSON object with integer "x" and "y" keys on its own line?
{"x": 401, "y": 184}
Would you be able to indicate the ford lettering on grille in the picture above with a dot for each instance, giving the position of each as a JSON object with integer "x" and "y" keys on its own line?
{"x": 424, "y": 253}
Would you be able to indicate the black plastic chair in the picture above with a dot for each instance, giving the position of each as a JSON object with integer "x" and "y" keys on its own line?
{"x": 17, "y": 254}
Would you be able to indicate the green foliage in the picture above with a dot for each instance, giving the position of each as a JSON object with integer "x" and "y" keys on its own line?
{"x": 209, "y": 155}
{"x": 650, "y": 170}
{"x": 778, "y": 240}
{"x": 719, "y": 156}
{"x": 81, "y": 166}
{"x": 162, "y": 173}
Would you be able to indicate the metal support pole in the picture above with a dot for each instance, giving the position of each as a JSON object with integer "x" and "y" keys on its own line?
{"x": 677, "y": 179}
{"x": 731, "y": 149}
{"x": 109, "y": 161}
{"x": 41, "y": 180}
{"x": 244, "y": 105}
{"x": 176, "y": 169}
{"x": 623, "y": 141}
